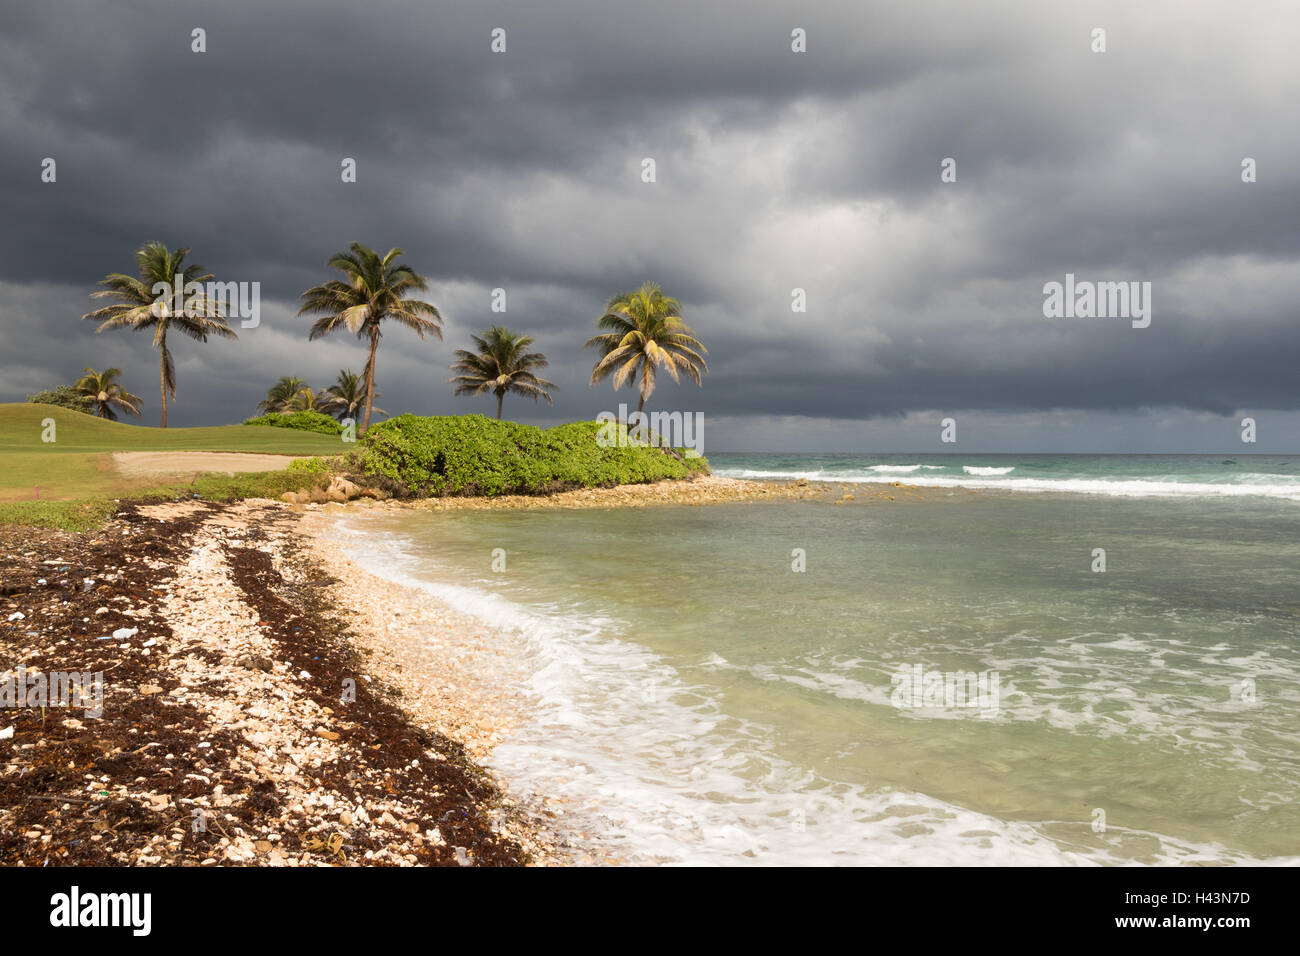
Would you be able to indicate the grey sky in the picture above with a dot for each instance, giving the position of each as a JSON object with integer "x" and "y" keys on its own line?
{"x": 775, "y": 170}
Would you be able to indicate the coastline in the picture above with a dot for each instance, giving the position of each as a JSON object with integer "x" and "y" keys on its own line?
{"x": 703, "y": 490}
{"x": 449, "y": 674}
{"x": 226, "y": 634}
{"x": 457, "y": 674}
{"x": 223, "y": 635}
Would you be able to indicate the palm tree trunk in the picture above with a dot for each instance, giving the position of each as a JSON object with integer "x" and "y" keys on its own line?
{"x": 162, "y": 354}
{"x": 370, "y": 379}
{"x": 500, "y": 398}
{"x": 645, "y": 380}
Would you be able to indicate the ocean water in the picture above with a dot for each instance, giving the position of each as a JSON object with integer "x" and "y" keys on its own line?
{"x": 695, "y": 699}
{"x": 1272, "y": 476}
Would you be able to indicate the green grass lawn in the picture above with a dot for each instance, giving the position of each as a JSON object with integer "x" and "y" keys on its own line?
{"x": 79, "y": 464}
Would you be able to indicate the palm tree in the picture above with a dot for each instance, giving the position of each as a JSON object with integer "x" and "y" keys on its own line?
{"x": 644, "y": 330}
{"x": 502, "y": 364}
{"x": 373, "y": 292}
{"x": 307, "y": 400}
{"x": 104, "y": 394}
{"x": 281, "y": 394}
{"x": 348, "y": 396}
{"x": 139, "y": 307}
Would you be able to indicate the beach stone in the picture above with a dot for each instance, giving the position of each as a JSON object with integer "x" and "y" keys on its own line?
{"x": 340, "y": 489}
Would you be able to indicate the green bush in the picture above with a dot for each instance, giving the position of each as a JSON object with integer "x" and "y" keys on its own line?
{"x": 318, "y": 466}
{"x": 65, "y": 396}
{"x": 473, "y": 455}
{"x": 304, "y": 421}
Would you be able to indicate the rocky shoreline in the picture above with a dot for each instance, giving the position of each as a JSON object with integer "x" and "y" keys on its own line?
{"x": 240, "y": 723}
{"x": 703, "y": 490}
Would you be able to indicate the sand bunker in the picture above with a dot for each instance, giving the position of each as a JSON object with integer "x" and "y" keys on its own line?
{"x": 142, "y": 464}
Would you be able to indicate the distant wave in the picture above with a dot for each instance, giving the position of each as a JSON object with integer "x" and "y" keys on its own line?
{"x": 1124, "y": 488}
{"x": 903, "y": 469}
{"x": 787, "y": 475}
{"x": 977, "y": 470}
{"x": 1242, "y": 485}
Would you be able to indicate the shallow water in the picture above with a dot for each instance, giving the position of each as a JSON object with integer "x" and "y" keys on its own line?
{"x": 698, "y": 700}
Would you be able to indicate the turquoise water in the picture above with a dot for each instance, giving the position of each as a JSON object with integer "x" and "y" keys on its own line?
{"x": 696, "y": 699}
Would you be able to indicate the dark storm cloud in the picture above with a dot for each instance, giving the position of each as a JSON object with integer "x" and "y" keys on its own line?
{"x": 775, "y": 170}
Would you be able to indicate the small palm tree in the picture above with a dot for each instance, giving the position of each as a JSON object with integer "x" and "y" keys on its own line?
{"x": 374, "y": 290}
{"x": 106, "y": 395}
{"x": 645, "y": 331}
{"x": 502, "y": 364}
{"x": 348, "y": 396}
{"x": 139, "y": 307}
{"x": 280, "y": 395}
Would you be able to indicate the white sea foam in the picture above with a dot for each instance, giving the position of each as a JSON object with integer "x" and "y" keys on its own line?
{"x": 1086, "y": 687}
{"x": 902, "y": 469}
{"x": 978, "y": 470}
{"x": 1124, "y": 488}
{"x": 1248, "y": 486}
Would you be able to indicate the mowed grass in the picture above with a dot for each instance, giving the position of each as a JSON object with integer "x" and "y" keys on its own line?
{"x": 79, "y": 463}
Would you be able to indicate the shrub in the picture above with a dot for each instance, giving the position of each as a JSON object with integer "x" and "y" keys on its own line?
{"x": 474, "y": 455}
{"x": 304, "y": 421}
{"x": 65, "y": 396}
{"x": 318, "y": 466}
